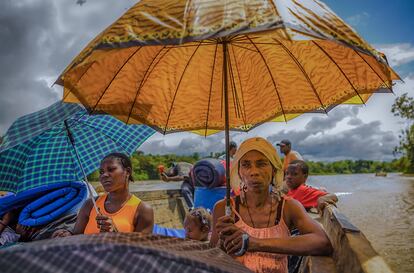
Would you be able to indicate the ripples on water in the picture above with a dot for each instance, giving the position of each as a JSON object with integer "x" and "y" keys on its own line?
{"x": 382, "y": 207}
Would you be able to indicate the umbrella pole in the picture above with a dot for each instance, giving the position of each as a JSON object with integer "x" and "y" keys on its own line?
{"x": 226, "y": 129}
{"x": 72, "y": 141}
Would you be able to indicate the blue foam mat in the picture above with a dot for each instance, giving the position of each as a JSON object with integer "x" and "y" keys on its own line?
{"x": 42, "y": 205}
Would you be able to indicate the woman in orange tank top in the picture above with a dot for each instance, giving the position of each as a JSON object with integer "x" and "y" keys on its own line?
{"x": 119, "y": 209}
{"x": 257, "y": 233}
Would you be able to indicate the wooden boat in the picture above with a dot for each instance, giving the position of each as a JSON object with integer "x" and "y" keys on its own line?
{"x": 384, "y": 174}
{"x": 352, "y": 250}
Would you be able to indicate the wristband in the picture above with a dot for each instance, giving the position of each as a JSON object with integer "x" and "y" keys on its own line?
{"x": 245, "y": 245}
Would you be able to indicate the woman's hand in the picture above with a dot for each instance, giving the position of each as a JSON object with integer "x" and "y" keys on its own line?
{"x": 325, "y": 200}
{"x": 105, "y": 223}
{"x": 61, "y": 233}
{"x": 230, "y": 235}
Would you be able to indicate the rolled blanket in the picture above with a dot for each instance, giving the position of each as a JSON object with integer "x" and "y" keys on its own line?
{"x": 209, "y": 173}
{"x": 42, "y": 205}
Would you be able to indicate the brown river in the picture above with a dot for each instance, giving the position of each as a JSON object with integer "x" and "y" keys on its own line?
{"x": 383, "y": 208}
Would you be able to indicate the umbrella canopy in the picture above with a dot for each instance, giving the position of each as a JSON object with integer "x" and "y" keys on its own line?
{"x": 214, "y": 65}
{"x": 164, "y": 63}
{"x": 118, "y": 252}
{"x": 36, "y": 150}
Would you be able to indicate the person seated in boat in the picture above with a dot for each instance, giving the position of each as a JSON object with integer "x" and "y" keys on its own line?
{"x": 197, "y": 224}
{"x": 232, "y": 151}
{"x": 295, "y": 178}
{"x": 257, "y": 232}
{"x": 119, "y": 210}
{"x": 180, "y": 171}
{"x": 12, "y": 232}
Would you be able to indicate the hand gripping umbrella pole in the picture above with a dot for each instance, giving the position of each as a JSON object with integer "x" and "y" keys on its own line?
{"x": 88, "y": 185}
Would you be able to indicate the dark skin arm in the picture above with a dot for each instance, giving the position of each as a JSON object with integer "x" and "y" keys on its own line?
{"x": 218, "y": 212}
{"x": 167, "y": 178}
{"x": 312, "y": 241}
{"x": 81, "y": 221}
{"x": 328, "y": 199}
{"x": 144, "y": 218}
{"x": 83, "y": 217}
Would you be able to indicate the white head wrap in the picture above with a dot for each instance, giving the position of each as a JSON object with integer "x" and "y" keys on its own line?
{"x": 266, "y": 148}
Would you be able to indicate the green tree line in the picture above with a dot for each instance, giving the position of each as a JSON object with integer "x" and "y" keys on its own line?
{"x": 145, "y": 167}
{"x": 355, "y": 166}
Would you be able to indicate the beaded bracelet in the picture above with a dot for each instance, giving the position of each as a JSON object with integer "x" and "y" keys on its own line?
{"x": 245, "y": 245}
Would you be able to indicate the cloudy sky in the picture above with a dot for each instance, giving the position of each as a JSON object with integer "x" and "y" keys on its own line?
{"x": 40, "y": 37}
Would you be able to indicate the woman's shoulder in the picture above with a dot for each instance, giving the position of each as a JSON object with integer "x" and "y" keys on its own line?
{"x": 144, "y": 208}
{"x": 291, "y": 203}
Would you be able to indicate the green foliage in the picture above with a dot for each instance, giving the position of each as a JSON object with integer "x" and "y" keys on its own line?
{"x": 145, "y": 167}
{"x": 404, "y": 107}
{"x": 358, "y": 166}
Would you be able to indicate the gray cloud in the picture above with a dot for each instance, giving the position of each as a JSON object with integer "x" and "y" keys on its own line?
{"x": 362, "y": 141}
{"x": 187, "y": 145}
{"x": 366, "y": 141}
{"x": 329, "y": 121}
{"x": 355, "y": 122}
{"x": 38, "y": 40}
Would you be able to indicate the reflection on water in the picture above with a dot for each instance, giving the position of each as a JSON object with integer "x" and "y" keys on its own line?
{"x": 382, "y": 207}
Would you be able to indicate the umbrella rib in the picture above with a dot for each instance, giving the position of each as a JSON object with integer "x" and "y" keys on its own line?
{"x": 241, "y": 88}
{"x": 80, "y": 78}
{"x": 141, "y": 83}
{"x": 113, "y": 78}
{"x": 186, "y": 45}
{"x": 389, "y": 87}
{"x": 150, "y": 72}
{"x": 211, "y": 90}
{"x": 234, "y": 91}
{"x": 271, "y": 76}
{"x": 340, "y": 69}
{"x": 304, "y": 74}
{"x": 178, "y": 86}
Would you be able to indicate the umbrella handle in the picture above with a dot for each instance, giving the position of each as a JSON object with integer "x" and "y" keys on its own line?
{"x": 72, "y": 141}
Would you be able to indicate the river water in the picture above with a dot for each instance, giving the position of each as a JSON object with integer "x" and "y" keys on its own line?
{"x": 382, "y": 208}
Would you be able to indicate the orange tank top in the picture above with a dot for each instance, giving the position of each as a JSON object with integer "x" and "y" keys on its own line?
{"x": 261, "y": 262}
{"x": 123, "y": 218}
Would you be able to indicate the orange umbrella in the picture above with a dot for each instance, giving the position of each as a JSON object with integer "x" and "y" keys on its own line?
{"x": 213, "y": 65}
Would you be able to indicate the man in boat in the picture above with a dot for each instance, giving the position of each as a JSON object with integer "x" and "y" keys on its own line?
{"x": 295, "y": 179}
{"x": 232, "y": 151}
{"x": 180, "y": 171}
{"x": 290, "y": 155}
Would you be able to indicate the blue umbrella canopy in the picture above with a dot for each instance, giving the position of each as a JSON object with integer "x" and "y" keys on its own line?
{"x": 36, "y": 150}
